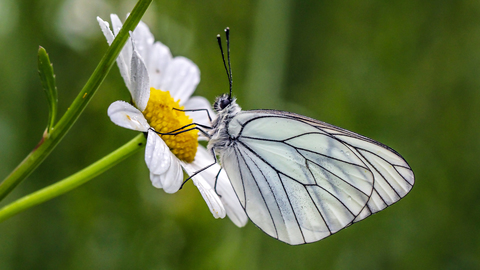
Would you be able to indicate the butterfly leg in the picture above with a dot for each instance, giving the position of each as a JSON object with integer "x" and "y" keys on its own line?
{"x": 216, "y": 180}
{"x": 201, "y": 170}
{"x": 182, "y": 130}
{"x": 196, "y": 110}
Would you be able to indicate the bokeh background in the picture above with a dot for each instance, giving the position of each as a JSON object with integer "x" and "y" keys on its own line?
{"x": 406, "y": 73}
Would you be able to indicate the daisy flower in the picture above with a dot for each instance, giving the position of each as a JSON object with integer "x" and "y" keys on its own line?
{"x": 161, "y": 87}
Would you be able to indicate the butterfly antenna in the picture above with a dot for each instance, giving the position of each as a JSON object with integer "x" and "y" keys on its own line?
{"x": 223, "y": 56}
{"x": 230, "y": 79}
{"x": 229, "y": 69}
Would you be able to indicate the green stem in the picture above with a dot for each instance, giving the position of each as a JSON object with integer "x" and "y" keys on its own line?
{"x": 74, "y": 180}
{"x": 50, "y": 140}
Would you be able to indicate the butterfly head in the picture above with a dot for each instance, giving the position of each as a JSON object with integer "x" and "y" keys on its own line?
{"x": 222, "y": 102}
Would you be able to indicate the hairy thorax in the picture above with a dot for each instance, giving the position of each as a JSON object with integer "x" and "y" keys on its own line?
{"x": 220, "y": 139}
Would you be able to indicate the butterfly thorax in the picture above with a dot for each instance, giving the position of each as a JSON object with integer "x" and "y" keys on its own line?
{"x": 219, "y": 136}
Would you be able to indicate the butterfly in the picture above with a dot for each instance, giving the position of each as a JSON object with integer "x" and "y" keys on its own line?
{"x": 299, "y": 179}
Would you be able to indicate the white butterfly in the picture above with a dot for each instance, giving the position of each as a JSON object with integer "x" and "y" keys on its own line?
{"x": 300, "y": 179}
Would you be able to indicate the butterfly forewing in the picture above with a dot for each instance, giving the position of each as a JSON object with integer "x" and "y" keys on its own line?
{"x": 300, "y": 180}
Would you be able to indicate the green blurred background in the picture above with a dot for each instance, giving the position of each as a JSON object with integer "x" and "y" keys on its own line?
{"x": 406, "y": 73}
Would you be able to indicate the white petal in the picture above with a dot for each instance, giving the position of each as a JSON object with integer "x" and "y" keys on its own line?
{"x": 234, "y": 209}
{"x": 165, "y": 169}
{"x": 157, "y": 154}
{"x": 123, "y": 63}
{"x": 172, "y": 180}
{"x": 156, "y": 180}
{"x": 228, "y": 197}
{"x": 123, "y": 59}
{"x": 211, "y": 198}
{"x": 160, "y": 57}
{"x": 106, "y": 30}
{"x": 125, "y": 115}
{"x": 143, "y": 40}
{"x": 140, "y": 83}
{"x": 200, "y": 117}
{"x": 117, "y": 26}
{"x": 116, "y": 23}
{"x": 180, "y": 78}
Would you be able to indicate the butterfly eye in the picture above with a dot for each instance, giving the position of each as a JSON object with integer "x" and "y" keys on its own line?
{"x": 222, "y": 102}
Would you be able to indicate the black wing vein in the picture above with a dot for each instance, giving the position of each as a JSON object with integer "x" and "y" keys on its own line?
{"x": 260, "y": 191}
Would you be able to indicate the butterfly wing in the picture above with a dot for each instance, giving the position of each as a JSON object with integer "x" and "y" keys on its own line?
{"x": 301, "y": 180}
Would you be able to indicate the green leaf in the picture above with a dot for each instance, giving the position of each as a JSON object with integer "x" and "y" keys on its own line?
{"x": 47, "y": 77}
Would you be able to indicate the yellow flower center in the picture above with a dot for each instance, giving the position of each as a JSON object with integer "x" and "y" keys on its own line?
{"x": 163, "y": 118}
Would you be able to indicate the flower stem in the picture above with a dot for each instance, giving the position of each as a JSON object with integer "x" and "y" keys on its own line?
{"x": 50, "y": 140}
{"x": 74, "y": 180}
